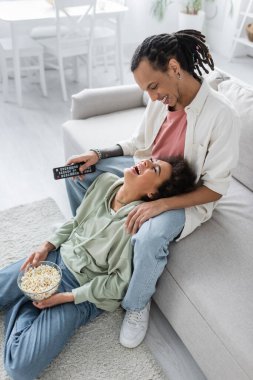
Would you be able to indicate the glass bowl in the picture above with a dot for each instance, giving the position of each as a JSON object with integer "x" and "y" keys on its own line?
{"x": 45, "y": 277}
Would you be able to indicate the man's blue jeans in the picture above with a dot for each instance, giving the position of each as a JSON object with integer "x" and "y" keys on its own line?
{"x": 151, "y": 242}
{"x": 34, "y": 337}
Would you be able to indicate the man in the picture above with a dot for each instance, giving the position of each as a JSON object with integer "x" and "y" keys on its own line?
{"x": 183, "y": 117}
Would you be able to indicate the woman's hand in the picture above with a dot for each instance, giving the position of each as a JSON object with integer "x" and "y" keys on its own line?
{"x": 38, "y": 255}
{"x": 142, "y": 213}
{"x": 55, "y": 299}
{"x": 90, "y": 158}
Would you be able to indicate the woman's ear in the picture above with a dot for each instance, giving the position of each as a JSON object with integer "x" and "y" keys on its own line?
{"x": 151, "y": 196}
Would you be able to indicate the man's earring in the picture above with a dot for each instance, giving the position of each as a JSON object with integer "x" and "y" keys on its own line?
{"x": 179, "y": 76}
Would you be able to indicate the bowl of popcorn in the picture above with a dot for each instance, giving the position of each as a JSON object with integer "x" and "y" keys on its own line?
{"x": 41, "y": 281}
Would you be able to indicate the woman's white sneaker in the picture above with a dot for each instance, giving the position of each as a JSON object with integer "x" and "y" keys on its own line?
{"x": 134, "y": 327}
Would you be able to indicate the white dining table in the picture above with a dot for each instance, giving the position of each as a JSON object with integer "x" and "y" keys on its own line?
{"x": 23, "y": 11}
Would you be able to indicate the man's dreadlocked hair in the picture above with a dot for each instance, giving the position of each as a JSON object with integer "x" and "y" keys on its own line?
{"x": 186, "y": 46}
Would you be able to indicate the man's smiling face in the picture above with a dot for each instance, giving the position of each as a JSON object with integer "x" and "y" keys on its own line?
{"x": 162, "y": 86}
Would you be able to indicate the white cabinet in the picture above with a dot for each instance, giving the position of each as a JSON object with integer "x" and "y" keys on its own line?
{"x": 245, "y": 17}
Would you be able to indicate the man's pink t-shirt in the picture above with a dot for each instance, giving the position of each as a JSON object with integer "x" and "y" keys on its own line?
{"x": 170, "y": 139}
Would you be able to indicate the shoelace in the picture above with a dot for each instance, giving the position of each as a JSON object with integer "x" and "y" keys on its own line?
{"x": 134, "y": 317}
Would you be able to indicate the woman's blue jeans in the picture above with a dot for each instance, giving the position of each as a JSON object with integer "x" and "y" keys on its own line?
{"x": 151, "y": 242}
{"x": 34, "y": 337}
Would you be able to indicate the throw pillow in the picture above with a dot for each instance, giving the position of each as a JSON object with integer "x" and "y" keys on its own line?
{"x": 241, "y": 96}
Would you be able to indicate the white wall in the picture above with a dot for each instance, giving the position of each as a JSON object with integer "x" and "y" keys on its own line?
{"x": 221, "y": 30}
{"x": 138, "y": 23}
{"x": 220, "y": 27}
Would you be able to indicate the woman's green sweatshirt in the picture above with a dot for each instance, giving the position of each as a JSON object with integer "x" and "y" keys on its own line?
{"x": 95, "y": 246}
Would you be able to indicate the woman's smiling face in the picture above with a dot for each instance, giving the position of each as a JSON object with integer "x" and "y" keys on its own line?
{"x": 147, "y": 176}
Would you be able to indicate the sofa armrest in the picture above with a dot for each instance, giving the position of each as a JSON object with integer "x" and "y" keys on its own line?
{"x": 100, "y": 101}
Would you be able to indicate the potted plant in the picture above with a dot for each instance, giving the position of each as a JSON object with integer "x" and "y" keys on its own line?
{"x": 191, "y": 15}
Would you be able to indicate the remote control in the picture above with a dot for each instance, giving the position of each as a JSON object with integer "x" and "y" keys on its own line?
{"x": 71, "y": 170}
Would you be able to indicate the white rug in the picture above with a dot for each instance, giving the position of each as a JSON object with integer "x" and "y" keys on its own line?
{"x": 94, "y": 353}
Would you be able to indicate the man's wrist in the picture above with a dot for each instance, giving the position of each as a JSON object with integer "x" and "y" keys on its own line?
{"x": 108, "y": 152}
{"x": 164, "y": 204}
{"x": 98, "y": 153}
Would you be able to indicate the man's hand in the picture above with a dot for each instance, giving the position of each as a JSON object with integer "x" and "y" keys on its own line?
{"x": 141, "y": 214}
{"x": 148, "y": 210}
{"x": 38, "y": 255}
{"x": 90, "y": 158}
{"x": 55, "y": 299}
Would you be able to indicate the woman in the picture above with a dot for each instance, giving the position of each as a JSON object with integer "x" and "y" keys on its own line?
{"x": 94, "y": 252}
{"x": 185, "y": 116}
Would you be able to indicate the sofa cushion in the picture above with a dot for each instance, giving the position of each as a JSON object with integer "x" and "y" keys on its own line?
{"x": 81, "y": 135}
{"x": 212, "y": 273}
{"x": 241, "y": 97}
{"x": 93, "y": 102}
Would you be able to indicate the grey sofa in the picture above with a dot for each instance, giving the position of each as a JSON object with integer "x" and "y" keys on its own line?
{"x": 206, "y": 290}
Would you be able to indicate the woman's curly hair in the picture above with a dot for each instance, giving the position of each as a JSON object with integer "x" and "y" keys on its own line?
{"x": 182, "y": 179}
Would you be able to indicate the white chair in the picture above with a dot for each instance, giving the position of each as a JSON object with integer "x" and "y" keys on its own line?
{"x": 78, "y": 17}
{"x": 106, "y": 45}
{"x": 105, "y": 39}
{"x": 48, "y": 31}
{"x": 31, "y": 54}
